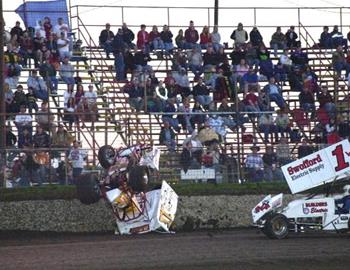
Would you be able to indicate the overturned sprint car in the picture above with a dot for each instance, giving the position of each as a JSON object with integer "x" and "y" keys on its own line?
{"x": 124, "y": 186}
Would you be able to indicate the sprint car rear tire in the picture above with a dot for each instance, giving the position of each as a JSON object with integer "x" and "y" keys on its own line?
{"x": 88, "y": 189}
{"x": 106, "y": 156}
{"x": 276, "y": 226}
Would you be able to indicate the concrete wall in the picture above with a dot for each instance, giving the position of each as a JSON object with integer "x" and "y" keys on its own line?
{"x": 197, "y": 212}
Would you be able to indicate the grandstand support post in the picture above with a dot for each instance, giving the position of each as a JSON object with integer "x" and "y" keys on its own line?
{"x": 2, "y": 105}
{"x": 216, "y": 12}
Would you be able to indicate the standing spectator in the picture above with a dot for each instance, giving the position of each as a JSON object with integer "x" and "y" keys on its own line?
{"x": 23, "y": 121}
{"x": 271, "y": 166}
{"x": 119, "y": 51}
{"x": 275, "y": 93}
{"x": 105, "y": 39}
{"x": 304, "y": 149}
{"x": 167, "y": 38}
{"x": 191, "y": 37}
{"x": 128, "y": 36}
{"x": 339, "y": 62}
{"x": 167, "y": 137}
{"x": 255, "y": 37}
{"x": 143, "y": 39}
{"x": 67, "y": 71}
{"x": 254, "y": 165}
{"x": 291, "y": 38}
{"x": 216, "y": 39}
{"x": 39, "y": 86}
{"x": 205, "y": 37}
{"x": 283, "y": 152}
{"x": 278, "y": 40}
{"x": 180, "y": 39}
{"x": 26, "y": 48}
{"x": 240, "y": 36}
{"x": 38, "y": 43}
{"x": 48, "y": 28}
{"x": 326, "y": 39}
{"x": 77, "y": 156}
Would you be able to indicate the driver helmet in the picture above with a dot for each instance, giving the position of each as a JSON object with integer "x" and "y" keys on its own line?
{"x": 346, "y": 189}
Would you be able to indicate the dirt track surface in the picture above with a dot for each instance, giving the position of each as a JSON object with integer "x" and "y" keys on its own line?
{"x": 239, "y": 249}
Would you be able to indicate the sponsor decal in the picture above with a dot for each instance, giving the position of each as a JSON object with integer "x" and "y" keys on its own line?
{"x": 264, "y": 206}
{"x": 314, "y": 207}
{"x": 304, "y": 165}
{"x": 140, "y": 229}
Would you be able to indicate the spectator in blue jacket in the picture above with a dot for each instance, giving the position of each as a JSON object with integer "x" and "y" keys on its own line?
{"x": 326, "y": 38}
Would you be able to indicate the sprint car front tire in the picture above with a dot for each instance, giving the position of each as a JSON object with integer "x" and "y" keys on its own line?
{"x": 276, "y": 226}
{"x": 106, "y": 156}
{"x": 88, "y": 189}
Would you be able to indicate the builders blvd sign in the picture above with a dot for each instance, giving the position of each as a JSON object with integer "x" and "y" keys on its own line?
{"x": 318, "y": 168}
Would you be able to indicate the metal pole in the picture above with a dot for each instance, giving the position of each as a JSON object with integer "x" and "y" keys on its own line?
{"x": 216, "y": 12}
{"x": 25, "y": 13}
{"x": 2, "y": 102}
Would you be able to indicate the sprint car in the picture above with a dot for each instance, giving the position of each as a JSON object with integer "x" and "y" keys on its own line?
{"x": 322, "y": 212}
{"x": 124, "y": 186}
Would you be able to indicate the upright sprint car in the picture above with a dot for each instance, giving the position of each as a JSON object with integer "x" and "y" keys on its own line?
{"x": 325, "y": 212}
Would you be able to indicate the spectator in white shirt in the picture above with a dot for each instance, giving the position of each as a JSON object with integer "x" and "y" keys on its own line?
{"x": 61, "y": 27}
{"x": 39, "y": 86}
{"x": 77, "y": 156}
{"x": 63, "y": 46}
{"x": 23, "y": 120}
{"x": 91, "y": 95}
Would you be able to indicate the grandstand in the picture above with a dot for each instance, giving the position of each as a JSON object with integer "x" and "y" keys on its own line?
{"x": 118, "y": 124}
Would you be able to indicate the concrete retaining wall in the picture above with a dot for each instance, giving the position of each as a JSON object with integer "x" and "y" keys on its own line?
{"x": 197, "y": 212}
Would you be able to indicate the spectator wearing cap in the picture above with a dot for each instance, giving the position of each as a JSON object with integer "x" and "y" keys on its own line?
{"x": 240, "y": 36}
{"x": 143, "y": 39}
{"x": 191, "y": 37}
{"x": 254, "y": 165}
{"x": 278, "y": 40}
{"x": 105, "y": 39}
{"x": 77, "y": 156}
{"x": 167, "y": 38}
{"x": 39, "y": 86}
{"x": 67, "y": 71}
{"x": 167, "y": 137}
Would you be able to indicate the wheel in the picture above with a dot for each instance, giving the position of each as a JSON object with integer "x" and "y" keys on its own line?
{"x": 88, "y": 189}
{"x": 276, "y": 226}
{"x": 138, "y": 178}
{"x": 106, "y": 156}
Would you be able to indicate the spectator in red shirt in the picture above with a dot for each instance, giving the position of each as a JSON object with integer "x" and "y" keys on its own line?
{"x": 251, "y": 102}
{"x": 191, "y": 37}
{"x": 143, "y": 38}
{"x": 155, "y": 39}
{"x": 326, "y": 101}
{"x": 205, "y": 37}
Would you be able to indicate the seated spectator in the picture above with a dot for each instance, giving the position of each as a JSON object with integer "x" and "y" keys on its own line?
{"x": 38, "y": 44}
{"x": 167, "y": 38}
{"x": 264, "y": 101}
{"x": 339, "y": 62}
{"x": 228, "y": 120}
{"x": 326, "y": 102}
{"x": 39, "y": 86}
{"x": 205, "y": 38}
{"x": 201, "y": 93}
{"x": 169, "y": 117}
{"x": 9, "y": 96}
{"x": 179, "y": 60}
{"x": 41, "y": 139}
{"x": 182, "y": 82}
{"x": 338, "y": 38}
{"x": 250, "y": 80}
{"x": 48, "y": 28}
{"x": 282, "y": 122}
{"x": 128, "y": 36}
{"x": 26, "y": 49}
{"x": 221, "y": 86}
{"x": 188, "y": 160}
{"x": 17, "y": 31}
{"x": 91, "y": 96}
{"x": 19, "y": 98}
{"x": 310, "y": 80}
{"x": 275, "y": 93}
{"x": 61, "y": 138}
{"x": 143, "y": 39}
{"x": 283, "y": 152}
{"x": 61, "y": 27}
{"x": 240, "y": 36}
{"x": 307, "y": 101}
{"x": 86, "y": 113}
{"x": 254, "y": 165}
{"x": 267, "y": 126}
{"x": 155, "y": 39}
{"x": 197, "y": 119}
{"x": 280, "y": 73}
{"x": 141, "y": 59}
{"x": 185, "y": 118}
{"x": 48, "y": 72}
{"x": 251, "y": 56}
{"x": 255, "y": 37}
{"x": 79, "y": 94}
{"x": 23, "y": 120}
{"x": 251, "y": 102}
{"x": 105, "y": 39}
{"x": 12, "y": 61}
{"x": 209, "y": 59}
{"x": 237, "y": 55}
{"x": 216, "y": 39}
{"x": 207, "y": 135}
{"x": 195, "y": 62}
{"x": 272, "y": 171}
{"x": 240, "y": 71}
{"x": 69, "y": 112}
{"x": 67, "y": 72}
{"x": 326, "y": 39}
{"x": 63, "y": 46}
{"x": 136, "y": 95}
{"x": 278, "y": 40}
{"x": 11, "y": 138}
{"x": 191, "y": 37}
{"x": 286, "y": 61}
{"x": 291, "y": 38}
{"x": 343, "y": 127}
{"x": 299, "y": 58}
{"x": 304, "y": 149}
{"x": 167, "y": 137}
{"x": 180, "y": 40}
{"x": 45, "y": 118}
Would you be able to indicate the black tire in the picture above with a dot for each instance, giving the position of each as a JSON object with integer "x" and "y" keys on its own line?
{"x": 88, "y": 189}
{"x": 276, "y": 226}
{"x": 106, "y": 156}
{"x": 138, "y": 178}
